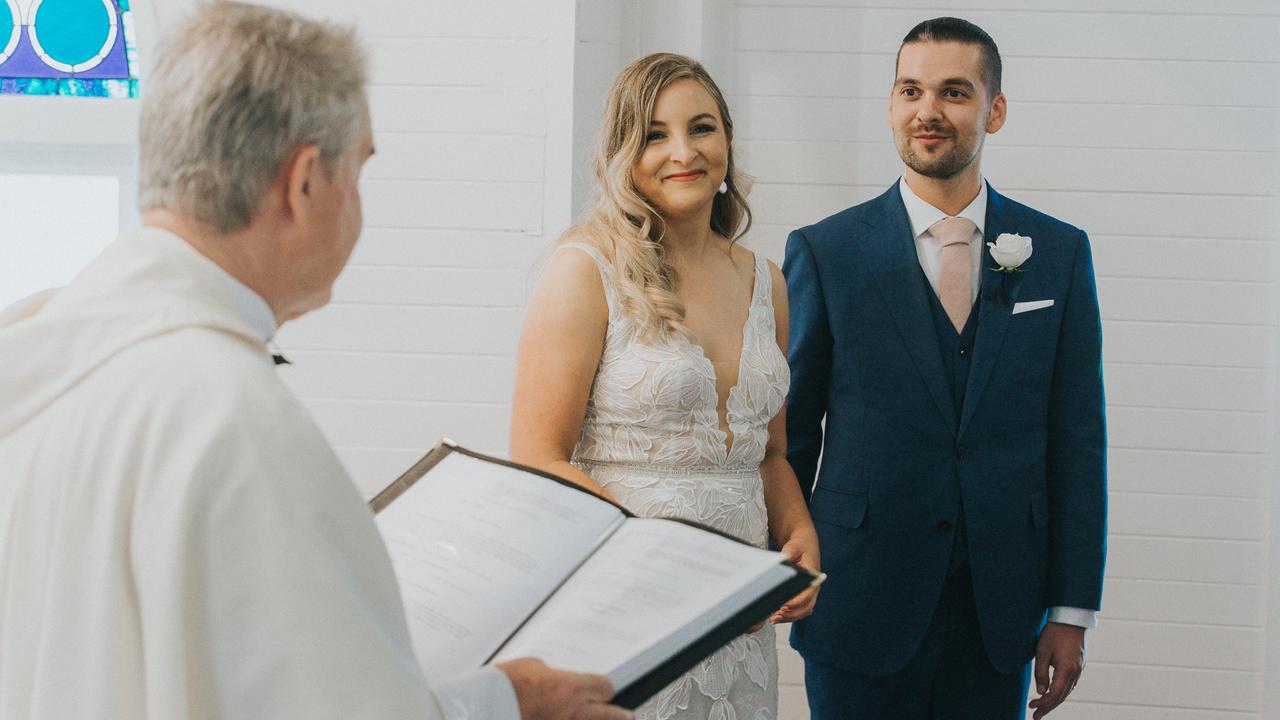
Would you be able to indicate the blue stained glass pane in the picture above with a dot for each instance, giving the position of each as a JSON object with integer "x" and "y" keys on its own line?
{"x": 69, "y": 87}
{"x": 72, "y": 31}
{"x": 6, "y": 25}
{"x": 124, "y": 5}
{"x": 82, "y": 88}
{"x": 119, "y": 88}
{"x": 36, "y": 86}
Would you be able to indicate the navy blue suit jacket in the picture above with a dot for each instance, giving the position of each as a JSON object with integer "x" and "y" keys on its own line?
{"x": 1026, "y": 455}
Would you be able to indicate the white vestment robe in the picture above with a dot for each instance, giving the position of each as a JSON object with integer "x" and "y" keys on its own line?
{"x": 177, "y": 540}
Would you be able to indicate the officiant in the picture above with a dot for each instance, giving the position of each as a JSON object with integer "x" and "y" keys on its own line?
{"x": 176, "y": 538}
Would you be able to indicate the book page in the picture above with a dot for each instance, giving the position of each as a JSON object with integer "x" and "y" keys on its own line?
{"x": 477, "y": 546}
{"x": 654, "y": 585}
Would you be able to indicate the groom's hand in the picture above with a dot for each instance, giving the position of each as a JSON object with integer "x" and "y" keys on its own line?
{"x": 1061, "y": 647}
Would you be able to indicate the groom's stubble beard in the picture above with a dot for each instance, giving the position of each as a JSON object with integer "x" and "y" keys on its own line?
{"x": 962, "y": 154}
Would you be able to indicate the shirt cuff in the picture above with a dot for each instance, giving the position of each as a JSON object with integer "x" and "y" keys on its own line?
{"x": 480, "y": 695}
{"x": 1074, "y": 616}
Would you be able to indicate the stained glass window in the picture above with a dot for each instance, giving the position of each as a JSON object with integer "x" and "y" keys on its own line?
{"x": 68, "y": 47}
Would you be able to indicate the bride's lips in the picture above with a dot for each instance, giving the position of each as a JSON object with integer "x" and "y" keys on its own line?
{"x": 686, "y": 176}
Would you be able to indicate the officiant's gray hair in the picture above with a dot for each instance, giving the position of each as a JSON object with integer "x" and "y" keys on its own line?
{"x": 234, "y": 92}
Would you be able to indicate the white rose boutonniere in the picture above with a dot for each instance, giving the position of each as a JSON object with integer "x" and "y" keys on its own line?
{"x": 1010, "y": 251}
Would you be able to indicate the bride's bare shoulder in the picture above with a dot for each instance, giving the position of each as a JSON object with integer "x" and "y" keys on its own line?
{"x": 573, "y": 278}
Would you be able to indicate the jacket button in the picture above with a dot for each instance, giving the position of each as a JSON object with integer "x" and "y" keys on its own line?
{"x": 962, "y": 451}
{"x": 944, "y": 526}
{"x": 964, "y": 352}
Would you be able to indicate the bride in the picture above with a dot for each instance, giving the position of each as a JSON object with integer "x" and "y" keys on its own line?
{"x": 651, "y": 366}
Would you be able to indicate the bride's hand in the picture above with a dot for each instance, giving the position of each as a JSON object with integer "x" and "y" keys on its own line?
{"x": 803, "y": 551}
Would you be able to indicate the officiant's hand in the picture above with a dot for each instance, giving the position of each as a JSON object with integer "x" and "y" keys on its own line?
{"x": 548, "y": 694}
{"x": 801, "y": 549}
{"x": 1060, "y": 647}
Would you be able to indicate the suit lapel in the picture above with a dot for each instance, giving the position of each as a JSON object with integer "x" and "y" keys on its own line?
{"x": 890, "y": 255}
{"x": 999, "y": 292}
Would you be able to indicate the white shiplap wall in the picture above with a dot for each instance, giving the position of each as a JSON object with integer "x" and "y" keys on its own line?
{"x": 468, "y": 103}
{"x": 1151, "y": 125}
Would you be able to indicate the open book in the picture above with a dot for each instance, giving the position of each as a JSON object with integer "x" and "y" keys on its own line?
{"x": 498, "y": 561}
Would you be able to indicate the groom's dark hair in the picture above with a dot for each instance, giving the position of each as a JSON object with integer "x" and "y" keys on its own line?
{"x": 950, "y": 29}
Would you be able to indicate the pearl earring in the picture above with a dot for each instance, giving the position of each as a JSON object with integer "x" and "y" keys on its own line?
{"x": 724, "y": 187}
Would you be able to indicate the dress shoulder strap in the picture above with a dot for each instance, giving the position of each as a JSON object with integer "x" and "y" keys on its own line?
{"x": 764, "y": 281}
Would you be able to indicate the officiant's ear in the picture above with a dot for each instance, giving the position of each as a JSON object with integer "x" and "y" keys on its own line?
{"x": 999, "y": 111}
{"x": 300, "y": 170}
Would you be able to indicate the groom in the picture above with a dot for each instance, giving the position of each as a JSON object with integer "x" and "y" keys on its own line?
{"x": 955, "y": 398}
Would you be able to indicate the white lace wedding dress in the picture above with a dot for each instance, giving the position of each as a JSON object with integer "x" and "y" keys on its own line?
{"x": 652, "y": 438}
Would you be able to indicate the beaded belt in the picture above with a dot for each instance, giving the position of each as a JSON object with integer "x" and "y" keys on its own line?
{"x": 659, "y": 468}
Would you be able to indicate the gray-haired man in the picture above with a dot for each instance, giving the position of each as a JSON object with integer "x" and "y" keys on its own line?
{"x": 176, "y": 538}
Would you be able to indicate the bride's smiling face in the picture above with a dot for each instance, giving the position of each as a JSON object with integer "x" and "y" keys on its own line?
{"x": 686, "y": 152}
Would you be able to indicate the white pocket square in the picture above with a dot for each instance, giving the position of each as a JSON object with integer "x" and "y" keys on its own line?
{"x": 1031, "y": 305}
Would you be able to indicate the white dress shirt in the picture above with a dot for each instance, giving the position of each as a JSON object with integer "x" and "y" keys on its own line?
{"x": 253, "y": 309}
{"x": 922, "y": 216}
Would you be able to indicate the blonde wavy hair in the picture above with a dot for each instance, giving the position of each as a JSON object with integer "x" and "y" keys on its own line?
{"x": 625, "y": 226}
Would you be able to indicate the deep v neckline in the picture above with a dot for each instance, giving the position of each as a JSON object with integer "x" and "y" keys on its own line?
{"x": 724, "y": 442}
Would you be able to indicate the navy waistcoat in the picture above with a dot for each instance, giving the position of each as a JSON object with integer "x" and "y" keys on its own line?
{"x": 957, "y": 357}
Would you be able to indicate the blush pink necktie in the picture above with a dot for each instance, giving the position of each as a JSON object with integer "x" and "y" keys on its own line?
{"x": 955, "y": 277}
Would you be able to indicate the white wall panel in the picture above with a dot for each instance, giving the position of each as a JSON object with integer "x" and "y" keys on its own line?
{"x": 1181, "y": 343}
{"x": 1136, "y": 557}
{"x": 1194, "y": 388}
{"x": 1084, "y": 710}
{"x": 1187, "y": 258}
{"x": 1191, "y": 646}
{"x": 602, "y": 47}
{"x": 1211, "y": 474}
{"x": 403, "y": 424}
{"x": 450, "y": 286}
{"x": 378, "y": 464}
{"x": 451, "y": 156}
{"x": 1163, "y": 687}
{"x": 458, "y": 62}
{"x": 391, "y": 329}
{"x": 429, "y": 247}
{"x": 1192, "y": 301}
{"x": 1180, "y": 602}
{"x": 344, "y": 375}
{"x": 1138, "y": 36}
{"x": 1186, "y": 516}
{"x": 470, "y": 110}
{"x": 453, "y": 204}
{"x": 1206, "y": 430}
{"x": 472, "y": 19}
